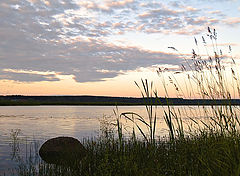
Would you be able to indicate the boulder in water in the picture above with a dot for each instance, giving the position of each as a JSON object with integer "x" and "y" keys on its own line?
{"x": 62, "y": 150}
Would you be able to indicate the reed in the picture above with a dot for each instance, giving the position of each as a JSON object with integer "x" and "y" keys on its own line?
{"x": 151, "y": 107}
{"x": 202, "y": 154}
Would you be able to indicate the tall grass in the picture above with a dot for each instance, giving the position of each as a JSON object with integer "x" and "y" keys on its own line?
{"x": 208, "y": 77}
{"x": 151, "y": 108}
{"x": 211, "y": 77}
{"x": 203, "y": 154}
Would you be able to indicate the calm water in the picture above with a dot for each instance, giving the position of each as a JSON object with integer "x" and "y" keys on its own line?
{"x": 39, "y": 123}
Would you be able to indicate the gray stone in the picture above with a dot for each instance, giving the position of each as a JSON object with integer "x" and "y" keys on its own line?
{"x": 62, "y": 151}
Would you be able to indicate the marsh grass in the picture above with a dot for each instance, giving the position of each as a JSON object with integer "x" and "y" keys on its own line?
{"x": 202, "y": 154}
{"x": 206, "y": 147}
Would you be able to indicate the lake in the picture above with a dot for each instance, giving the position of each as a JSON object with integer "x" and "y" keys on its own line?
{"x": 27, "y": 124}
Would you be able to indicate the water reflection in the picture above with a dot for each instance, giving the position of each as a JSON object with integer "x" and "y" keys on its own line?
{"x": 15, "y": 144}
{"x": 18, "y": 153}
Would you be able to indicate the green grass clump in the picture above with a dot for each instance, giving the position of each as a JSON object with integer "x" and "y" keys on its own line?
{"x": 203, "y": 154}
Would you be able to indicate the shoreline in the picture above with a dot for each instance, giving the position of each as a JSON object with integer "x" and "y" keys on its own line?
{"x": 18, "y": 100}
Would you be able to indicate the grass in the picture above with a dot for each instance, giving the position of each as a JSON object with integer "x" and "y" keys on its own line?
{"x": 210, "y": 148}
{"x": 203, "y": 154}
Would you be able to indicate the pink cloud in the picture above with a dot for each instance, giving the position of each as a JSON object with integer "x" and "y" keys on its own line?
{"x": 118, "y": 3}
{"x": 215, "y": 12}
{"x": 191, "y": 9}
{"x": 232, "y": 21}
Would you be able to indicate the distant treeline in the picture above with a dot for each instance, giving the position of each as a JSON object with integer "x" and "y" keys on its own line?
{"x": 105, "y": 100}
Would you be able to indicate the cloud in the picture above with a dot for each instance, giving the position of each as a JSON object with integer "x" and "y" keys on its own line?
{"x": 232, "y": 21}
{"x": 176, "y": 17}
{"x": 38, "y": 44}
{"x": 106, "y": 6}
{"x": 26, "y": 76}
{"x": 201, "y": 21}
{"x": 118, "y": 4}
{"x": 86, "y": 60}
{"x": 70, "y": 37}
{"x": 215, "y": 12}
{"x": 159, "y": 13}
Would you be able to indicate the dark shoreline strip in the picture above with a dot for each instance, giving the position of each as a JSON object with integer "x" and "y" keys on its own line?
{"x": 16, "y": 100}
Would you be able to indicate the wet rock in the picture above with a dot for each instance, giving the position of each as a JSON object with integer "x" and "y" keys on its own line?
{"x": 62, "y": 150}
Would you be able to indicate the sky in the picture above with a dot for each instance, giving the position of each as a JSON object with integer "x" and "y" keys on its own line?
{"x": 80, "y": 47}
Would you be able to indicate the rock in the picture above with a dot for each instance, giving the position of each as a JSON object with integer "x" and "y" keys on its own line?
{"x": 62, "y": 151}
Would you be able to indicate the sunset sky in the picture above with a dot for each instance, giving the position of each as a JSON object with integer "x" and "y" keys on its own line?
{"x": 100, "y": 47}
